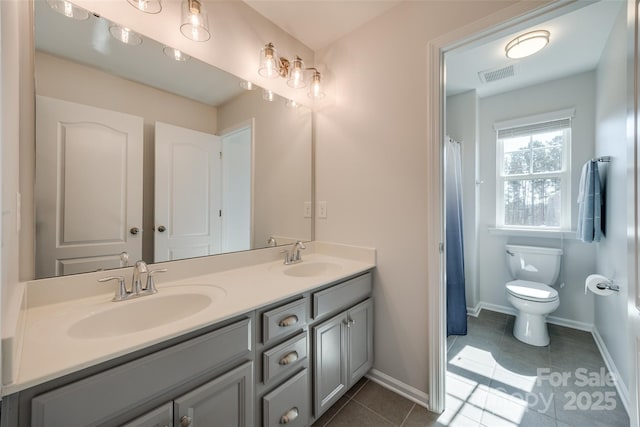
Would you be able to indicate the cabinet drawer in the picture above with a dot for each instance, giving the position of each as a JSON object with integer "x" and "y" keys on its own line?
{"x": 284, "y": 320}
{"x": 101, "y": 397}
{"x": 287, "y": 404}
{"x": 341, "y": 296}
{"x": 285, "y": 357}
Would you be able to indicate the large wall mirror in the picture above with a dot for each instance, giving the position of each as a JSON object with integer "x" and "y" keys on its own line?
{"x": 141, "y": 154}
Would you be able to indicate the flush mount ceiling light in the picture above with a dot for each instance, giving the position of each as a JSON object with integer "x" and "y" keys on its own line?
{"x": 125, "y": 35}
{"x": 527, "y": 44}
{"x": 273, "y": 66}
{"x": 195, "y": 24}
{"x": 68, "y": 9}
{"x": 146, "y": 6}
{"x": 175, "y": 54}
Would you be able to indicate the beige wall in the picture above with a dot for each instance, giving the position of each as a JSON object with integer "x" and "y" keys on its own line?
{"x": 282, "y": 170}
{"x": 70, "y": 81}
{"x": 372, "y": 164}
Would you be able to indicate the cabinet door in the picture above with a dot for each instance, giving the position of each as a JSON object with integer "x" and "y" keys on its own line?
{"x": 329, "y": 363}
{"x": 360, "y": 332}
{"x": 160, "y": 417}
{"x": 226, "y": 401}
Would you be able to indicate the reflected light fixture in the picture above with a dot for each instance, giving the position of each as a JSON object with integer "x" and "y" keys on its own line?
{"x": 195, "y": 24}
{"x": 68, "y": 9}
{"x": 290, "y": 103}
{"x": 247, "y": 85}
{"x": 527, "y": 44}
{"x": 125, "y": 35}
{"x": 272, "y": 66}
{"x": 146, "y": 6}
{"x": 268, "y": 95}
{"x": 175, "y": 54}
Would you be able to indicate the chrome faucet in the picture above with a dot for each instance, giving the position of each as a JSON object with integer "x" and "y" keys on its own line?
{"x": 293, "y": 256}
{"x": 272, "y": 241}
{"x": 136, "y": 281}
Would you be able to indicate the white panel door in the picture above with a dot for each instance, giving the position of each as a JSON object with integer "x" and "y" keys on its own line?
{"x": 236, "y": 190}
{"x": 88, "y": 187}
{"x": 187, "y": 193}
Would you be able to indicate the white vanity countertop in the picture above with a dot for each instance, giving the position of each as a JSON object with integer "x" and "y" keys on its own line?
{"x": 50, "y": 351}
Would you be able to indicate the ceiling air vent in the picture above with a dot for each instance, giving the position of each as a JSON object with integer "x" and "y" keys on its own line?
{"x": 488, "y": 76}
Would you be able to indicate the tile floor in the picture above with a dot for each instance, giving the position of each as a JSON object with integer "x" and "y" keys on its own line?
{"x": 495, "y": 380}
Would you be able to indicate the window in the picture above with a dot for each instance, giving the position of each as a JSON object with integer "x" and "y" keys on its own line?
{"x": 534, "y": 173}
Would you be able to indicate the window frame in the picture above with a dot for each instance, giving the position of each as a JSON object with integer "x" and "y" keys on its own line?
{"x": 564, "y": 174}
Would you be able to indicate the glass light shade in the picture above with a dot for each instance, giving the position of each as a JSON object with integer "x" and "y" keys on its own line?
{"x": 268, "y": 95}
{"x": 247, "y": 85}
{"x": 125, "y": 35}
{"x": 195, "y": 23}
{"x": 175, "y": 54}
{"x": 315, "y": 88}
{"x": 527, "y": 44}
{"x": 146, "y": 6}
{"x": 68, "y": 9}
{"x": 268, "y": 61}
{"x": 290, "y": 103}
{"x": 296, "y": 74}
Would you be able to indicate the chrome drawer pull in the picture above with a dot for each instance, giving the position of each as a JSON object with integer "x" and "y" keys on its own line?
{"x": 289, "y": 416}
{"x": 288, "y": 321}
{"x": 289, "y": 358}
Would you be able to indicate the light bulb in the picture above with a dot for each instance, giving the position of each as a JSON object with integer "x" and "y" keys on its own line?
{"x": 315, "y": 89}
{"x": 195, "y": 24}
{"x": 296, "y": 76}
{"x": 146, "y": 6}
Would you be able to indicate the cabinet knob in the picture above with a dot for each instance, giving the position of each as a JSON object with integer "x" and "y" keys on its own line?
{"x": 134, "y": 230}
{"x": 162, "y": 228}
{"x": 288, "y": 321}
{"x": 289, "y": 358}
{"x": 185, "y": 421}
{"x": 289, "y": 416}
{"x": 347, "y": 323}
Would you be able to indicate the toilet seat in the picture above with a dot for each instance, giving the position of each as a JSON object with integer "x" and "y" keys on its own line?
{"x": 532, "y": 291}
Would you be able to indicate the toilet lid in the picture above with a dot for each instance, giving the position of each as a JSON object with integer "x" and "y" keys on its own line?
{"x": 532, "y": 291}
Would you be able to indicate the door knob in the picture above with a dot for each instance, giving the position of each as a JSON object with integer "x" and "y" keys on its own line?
{"x": 185, "y": 421}
{"x": 162, "y": 228}
{"x": 134, "y": 230}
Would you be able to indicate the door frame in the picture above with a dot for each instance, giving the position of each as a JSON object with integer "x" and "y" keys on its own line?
{"x": 505, "y": 22}
{"x": 251, "y": 124}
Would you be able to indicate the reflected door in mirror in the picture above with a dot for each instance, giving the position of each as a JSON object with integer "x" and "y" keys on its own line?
{"x": 88, "y": 187}
{"x": 187, "y": 193}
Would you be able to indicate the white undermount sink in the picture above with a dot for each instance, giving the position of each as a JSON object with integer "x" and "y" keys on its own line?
{"x": 312, "y": 268}
{"x": 137, "y": 315}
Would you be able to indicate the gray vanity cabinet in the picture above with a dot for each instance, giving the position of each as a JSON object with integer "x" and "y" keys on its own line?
{"x": 160, "y": 417}
{"x": 343, "y": 353}
{"x": 343, "y": 344}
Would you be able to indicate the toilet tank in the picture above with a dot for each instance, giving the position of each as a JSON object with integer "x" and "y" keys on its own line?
{"x": 533, "y": 263}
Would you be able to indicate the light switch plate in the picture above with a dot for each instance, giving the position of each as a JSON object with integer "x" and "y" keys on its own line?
{"x": 322, "y": 209}
{"x": 307, "y": 209}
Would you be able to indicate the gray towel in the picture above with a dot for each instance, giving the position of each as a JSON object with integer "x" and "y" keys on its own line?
{"x": 589, "y": 204}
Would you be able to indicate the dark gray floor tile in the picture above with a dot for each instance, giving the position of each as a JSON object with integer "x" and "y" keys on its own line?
{"x": 331, "y": 412}
{"x": 492, "y": 316}
{"x": 420, "y": 417}
{"x": 357, "y": 387}
{"x": 450, "y": 340}
{"x": 525, "y": 386}
{"x": 383, "y": 401}
{"x": 356, "y": 415}
{"x": 511, "y": 348}
{"x": 567, "y": 358}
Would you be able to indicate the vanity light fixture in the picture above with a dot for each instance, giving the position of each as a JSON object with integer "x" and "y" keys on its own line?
{"x": 268, "y": 95}
{"x": 527, "y": 44}
{"x": 247, "y": 85}
{"x": 125, "y": 35}
{"x": 195, "y": 24}
{"x": 68, "y": 9}
{"x": 146, "y": 6}
{"x": 290, "y": 103}
{"x": 272, "y": 66}
{"x": 175, "y": 54}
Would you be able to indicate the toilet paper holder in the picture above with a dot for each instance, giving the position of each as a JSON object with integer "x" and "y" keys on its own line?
{"x": 608, "y": 285}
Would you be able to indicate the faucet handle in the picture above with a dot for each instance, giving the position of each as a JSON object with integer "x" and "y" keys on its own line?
{"x": 151, "y": 284}
{"x": 121, "y": 291}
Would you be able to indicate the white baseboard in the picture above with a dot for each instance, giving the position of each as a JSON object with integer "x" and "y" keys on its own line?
{"x": 623, "y": 391}
{"x": 398, "y": 387}
{"x": 560, "y": 321}
{"x": 474, "y": 311}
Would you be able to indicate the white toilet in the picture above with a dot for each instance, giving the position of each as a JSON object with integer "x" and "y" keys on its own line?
{"x": 535, "y": 269}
